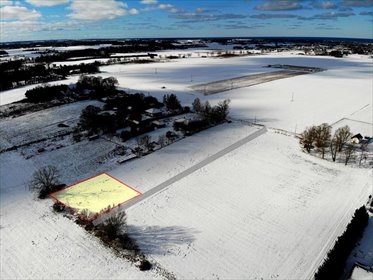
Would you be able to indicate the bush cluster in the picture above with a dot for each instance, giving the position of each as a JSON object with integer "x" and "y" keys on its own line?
{"x": 45, "y": 93}
{"x": 212, "y": 114}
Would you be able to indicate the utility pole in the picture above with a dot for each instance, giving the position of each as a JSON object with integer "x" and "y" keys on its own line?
{"x": 292, "y": 97}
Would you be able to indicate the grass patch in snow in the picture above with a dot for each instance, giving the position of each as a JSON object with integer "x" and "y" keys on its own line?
{"x": 95, "y": 196}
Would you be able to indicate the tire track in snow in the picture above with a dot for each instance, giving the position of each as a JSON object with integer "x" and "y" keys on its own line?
{"x": 194, "y": 168}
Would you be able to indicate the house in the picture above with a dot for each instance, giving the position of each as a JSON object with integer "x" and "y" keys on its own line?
{"x": 93, "y": 137}
{"x": 180, "y": 123}
{"x": 356, "y": 138}
{"x": 158, "y": 124}
{"x": 107, "y": 113}
{"x": 119, "y": 131}
{"x": 154, "y": 112}
{"x": 126, "y": 158}
{"x": 63, "y": 124}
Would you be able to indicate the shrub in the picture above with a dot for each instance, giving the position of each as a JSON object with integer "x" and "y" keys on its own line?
{"x": 128, "y": 243}
{"x": 110, "y": 229}
{"x": 58, "y": 207}
{"x": 145, "y": 265}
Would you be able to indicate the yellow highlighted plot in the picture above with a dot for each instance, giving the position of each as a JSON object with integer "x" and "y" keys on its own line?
{"x": 95, "y": 195}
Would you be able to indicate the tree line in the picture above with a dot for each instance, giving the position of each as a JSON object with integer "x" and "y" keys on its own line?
{"x": 334, "y": 264}
{"x": 338, "y": 144}
{"x": 21, "y": 72}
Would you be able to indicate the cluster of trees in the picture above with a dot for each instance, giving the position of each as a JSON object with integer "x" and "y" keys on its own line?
{"x": 97, "y": 86}
{"x": 334, "y": 264}
{"x": 127, "y": 106}
{"x": 45, "y": 93}
{"x": 208, "y": 116}
{"x": 21, "y": 72}
{"x": 320, "y": 137}
{"x": 93, "y": 121}
{"x": 171, "y": 102}
{"x": 211, "y": 114}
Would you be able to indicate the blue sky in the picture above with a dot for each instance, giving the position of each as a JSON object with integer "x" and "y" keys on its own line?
{"x": 79, "y": 19}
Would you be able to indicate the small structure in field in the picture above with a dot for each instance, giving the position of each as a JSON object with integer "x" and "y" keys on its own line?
{"x": 154, "y": 112}
{"x": 93, "y": 137}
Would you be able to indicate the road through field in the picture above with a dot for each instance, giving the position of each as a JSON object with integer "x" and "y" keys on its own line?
{"x": 194, "y": 168}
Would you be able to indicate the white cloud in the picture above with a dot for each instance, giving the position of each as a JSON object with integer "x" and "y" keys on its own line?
{"x": 146, "y": 2}
{"x": 97, "y": 9}
{"x": 5, "y": 3}
{"x": 14, "y": 30}
{"x": 201, "y": 10}
{"x": 133, "y": 12}
{"x": 18, "y": 13}
{"x": 40, "y": 3}
{"x": 165, "y": 6}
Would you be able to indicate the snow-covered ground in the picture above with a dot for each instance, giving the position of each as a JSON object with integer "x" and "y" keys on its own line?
{"x": 361, "y": 274}
{"x": 17, "y": 94}
{"x": 264, "y": 209}
{"x": 341, "y": 91}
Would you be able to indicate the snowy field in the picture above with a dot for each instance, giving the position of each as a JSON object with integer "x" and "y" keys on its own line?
{"x": 342, "y": 91}
{"x": 263, "y": 209}
{"x": 41, "y": 124}
{"x": 22, "y": 217}
{"x": 17, "y": 94}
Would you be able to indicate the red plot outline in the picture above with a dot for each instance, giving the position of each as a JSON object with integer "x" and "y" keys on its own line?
{"x": 101, "y": 213}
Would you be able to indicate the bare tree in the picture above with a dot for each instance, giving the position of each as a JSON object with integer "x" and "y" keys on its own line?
{"x": 162, "y": 140}
{"x": 342, "y": 135}
{"x": 138, "y": 149}
{"x": 308, "y": 137}
{"x": 197, "y": 106}
{"x": 348, "y": 152}
{"x": 363, "y": 152}
{"x": 334, "y": 148}
{"x": 44, "y": 181}
{"x": 322, "y": 137}
{"x": 145, "y": 142}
